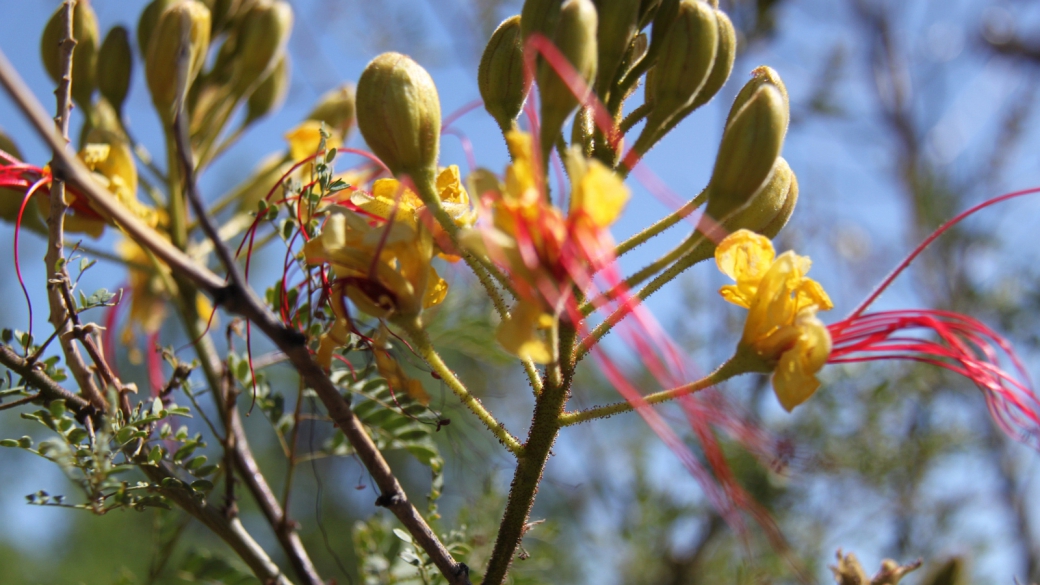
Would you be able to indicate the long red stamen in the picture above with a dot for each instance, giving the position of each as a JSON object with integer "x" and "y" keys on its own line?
{"x": 17, "y": 266}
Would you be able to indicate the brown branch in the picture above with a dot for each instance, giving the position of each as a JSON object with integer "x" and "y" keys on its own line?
{"x": 49, "y": 389}
{"x": 62, "y": 316}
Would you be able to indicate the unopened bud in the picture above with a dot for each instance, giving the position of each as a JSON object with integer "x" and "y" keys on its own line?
{"x": 146, "y": 24}
{"x": 760, "y": 76}
{"x": 101, "y": 117}
{"x": 725, "y": 54}
{"x": 399, "y": 114}
{"x": 270, "y": 94}
{"x": 85, "y": 31}
{"x": 539, "y": 16}
{"x": 262, "y": 37}
{"x": 617, "y": 27}
{"x": 769, "y": 209}
{"x": 684, "y": 60}
{"x": 115, "y": 62}
{"x": 176, "y": 54}
{"x": 750, "y": 146}
{"x": 576, "y": 39}
{"x": 336, "y": 109}
{"x": 501, "y": 74}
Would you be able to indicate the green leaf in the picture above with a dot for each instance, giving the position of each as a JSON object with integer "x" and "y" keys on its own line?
{"x": 403, "y": 535}
{"x": 9, "y": 443}
{"x": 195, "y": 463}
{"x": 202, "y": 485}
{"x": 125, "y": 434}
{"x": 57, "y": 407}
{"x": 185, "y": 451}
{"x": 155, "y": 455}
{"x": 76, "y": 436}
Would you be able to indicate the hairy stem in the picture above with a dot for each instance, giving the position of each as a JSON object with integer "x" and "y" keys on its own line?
{"x": 421, "y": 342}
{"x": 727, "y": 370}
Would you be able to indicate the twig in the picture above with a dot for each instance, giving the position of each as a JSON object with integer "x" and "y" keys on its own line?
{"x": 243, "y": 301}
{"x": 19, "y": 402}
{"x": 49, "y": 389}
{"x": 55, "y": 257}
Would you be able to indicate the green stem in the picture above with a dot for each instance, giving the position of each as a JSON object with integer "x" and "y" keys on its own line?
{"x": 548, "y": 407}
{"x": 730, "y": 369}
{"x": 421, "y": 343}
{"x": 661, "y": 225}
{"x": 701, "y": 250}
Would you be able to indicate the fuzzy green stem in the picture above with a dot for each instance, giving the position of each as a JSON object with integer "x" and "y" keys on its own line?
{"x": 421, "y": 343}
{"x": 549, "y": 405}
{"x": 702, "y": 249}
{"x": 178, "y": 207}
{"x": 661, "y": 225}
{"x": 733, "y": 367}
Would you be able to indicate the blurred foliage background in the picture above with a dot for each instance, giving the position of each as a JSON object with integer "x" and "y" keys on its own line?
{"x": 903, "y": 114}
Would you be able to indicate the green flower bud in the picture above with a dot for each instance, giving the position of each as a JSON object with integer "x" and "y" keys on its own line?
{"x": 399, "y": 114}
{"x": 115, "y": 63}
{"x": 750, "y": 146}
{"x": 336, "y": 109}
{"x": 725, "y": 54}
{"x": 636, "y": 50}
{"x": 684, "y": 61}
{"x": 769, "y": 209}
{"x": 760, "y": 76}
{"x": 102, "y": 117}
{"x": 617, "y": 27}
{"x": 539, "y": 16}
{"x": 270, "y": 94}
{"x": 146, "y": 24}
{"x": 576, "y": 39}
{"x": 84, "y": 59}
{"x": 501, "y": 74}
{"x": 182, "y": 29}
{"x": 262, "y": 37}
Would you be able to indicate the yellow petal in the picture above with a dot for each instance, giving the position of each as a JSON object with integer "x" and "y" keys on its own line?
{"x": 794, "y": 380}
{"x": 745, "y": 255}
{"x": 600, "y": 194}
{"x": 519, "y": 333}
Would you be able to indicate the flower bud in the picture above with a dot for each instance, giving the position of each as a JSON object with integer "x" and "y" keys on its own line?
{"x": 262, "y": 37}
{"x": 539, "y": 16}
{"x": 501, "y": 74}
{"x": 336, "y": 109}
{"x": 617, "y": 27}
{"x": 684, "y": 61}
{"x": 399, "y": 114}
{"x": 115, "y": 62}
{"x": 101, "y": 117}
{"x": 270, "y": 94}
{"x": 725, "y": 54}
{"x": 769, "y": 209}
{"x": 576, "y": 39}
{"x": 750, "y": 146}
{"x": 146, "y": 24}
{"x": 84, "y": 59}
{"x": 760, "y": 76}
{"x": 183, "y": 29}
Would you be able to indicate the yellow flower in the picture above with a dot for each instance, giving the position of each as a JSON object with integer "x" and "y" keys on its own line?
{"x": 545, "y": 251}
{"x": 400, "y": 281}
{"x": 305, "y": 139}
{"x": 389, "y": 196}
{"x": 782, "y": 327}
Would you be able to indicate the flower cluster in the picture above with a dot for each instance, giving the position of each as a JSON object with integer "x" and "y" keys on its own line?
{"x": 545, "y": 251}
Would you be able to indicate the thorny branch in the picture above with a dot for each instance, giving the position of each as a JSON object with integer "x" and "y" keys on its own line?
{"x": 63, "y": 317}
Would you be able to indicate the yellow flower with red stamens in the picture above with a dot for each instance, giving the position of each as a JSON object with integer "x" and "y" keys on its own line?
{"x": 546, "y": 252}
{"x": 781, "y": 327}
